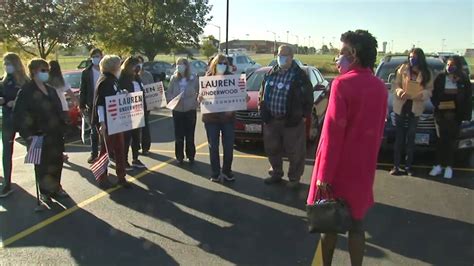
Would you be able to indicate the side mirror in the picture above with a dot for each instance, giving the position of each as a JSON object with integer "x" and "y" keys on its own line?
{"x": 319, "y": 87}
{"x": 391, "y": 77}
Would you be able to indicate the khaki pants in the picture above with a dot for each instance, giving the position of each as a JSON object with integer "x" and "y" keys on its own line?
{"x": 280, "y": 140}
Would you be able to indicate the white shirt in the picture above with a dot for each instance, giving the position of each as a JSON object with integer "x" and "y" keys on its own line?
{"x": 96, "y": 75}
{"x": 136, "y": 86}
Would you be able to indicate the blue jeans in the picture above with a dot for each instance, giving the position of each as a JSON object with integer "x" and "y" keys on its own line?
{"x": 214, "y": 131}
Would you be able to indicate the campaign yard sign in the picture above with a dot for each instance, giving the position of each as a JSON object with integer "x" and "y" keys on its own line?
{"x": 154, "y": 96}
{"x": 124, "y": 112}
{"x": 223, "y": 93}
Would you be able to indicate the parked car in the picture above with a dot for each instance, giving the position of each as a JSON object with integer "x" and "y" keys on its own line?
{"x": 159, "y": 69}
{"x": 274, "y": 62}
{"x": 73, "y": 78}
{"x": 248, "y": 123}
{"x": 84, "y": 64}
{"x": 198, "y": 68}
{"x": 243, "y": 64}
{"x": 426, "y": 136}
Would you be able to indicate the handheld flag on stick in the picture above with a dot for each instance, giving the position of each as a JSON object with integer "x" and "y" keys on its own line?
{"x": 33, "y": 156}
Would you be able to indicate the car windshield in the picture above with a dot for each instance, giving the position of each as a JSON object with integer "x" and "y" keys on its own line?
{"x": 254, "y": 81}
{"x": 386, "y": 69}
{"x": 73, "y": 79}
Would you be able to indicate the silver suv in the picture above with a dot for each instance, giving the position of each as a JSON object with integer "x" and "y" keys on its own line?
{"x": 244, "y": 64}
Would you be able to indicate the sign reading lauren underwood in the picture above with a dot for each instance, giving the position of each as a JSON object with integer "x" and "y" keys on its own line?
{"x": 124, "y": 112}
{"x": 154, "y": 96}
{"x": 223, "y": 93}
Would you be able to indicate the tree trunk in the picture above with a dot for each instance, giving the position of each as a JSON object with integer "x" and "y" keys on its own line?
{"x": 150, "y": 55}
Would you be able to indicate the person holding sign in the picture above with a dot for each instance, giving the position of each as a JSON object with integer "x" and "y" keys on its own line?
{"x": 107, "y": 85}
{"x": 183, "y": 89}
{"x": 14, "y": 78}
{"x": 130, "y": 81}
{"x": 146, "y": 78}
{"x": 217, "y": 124}
{"x": 412, "y": 87}
{"x": 286, "y": 99}
{"x": 451, "y": 98}
{"x": 38, "y": 112}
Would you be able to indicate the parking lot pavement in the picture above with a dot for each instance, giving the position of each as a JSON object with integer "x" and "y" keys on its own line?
{"x": 175, "y": 215}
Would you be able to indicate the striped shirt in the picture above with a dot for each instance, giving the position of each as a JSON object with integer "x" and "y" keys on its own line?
{"x": 278, "y": 86}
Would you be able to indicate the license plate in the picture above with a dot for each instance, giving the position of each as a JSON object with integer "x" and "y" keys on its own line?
{"x": 422, "y": 139}
{"x": 253, "y": 128}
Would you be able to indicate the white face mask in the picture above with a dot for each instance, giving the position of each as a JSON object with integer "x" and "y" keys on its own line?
{"x": 10, "y": 69}
{"x": 221, "y": 68}
{"x": 181, "y": 69}
{"x": 141, "y": 66}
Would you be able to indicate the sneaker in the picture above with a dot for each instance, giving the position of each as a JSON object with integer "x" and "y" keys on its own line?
{"x": 128, "y": 167}
{"x": 138, "y": 164}
{"x": 6, "y": 191}
{"x": 409, "y": 172}
{"x": 436, "y": 171}
{"x": 65, "y": 157}
{"x": 229, "y": 177}
{"x": 448, "y": 173}
{"x": 46, "y": 199}
{"x": 395, "y": 171}
{"x": 293, "y": 184}
{"x": 272, "y": 180}
{"x": 179, "y": 161}
{"x": 92, "y": 159}
{"x": 145, "y": 152}
{"x": 191, "y": 161}
{"x": 215, "y": 179}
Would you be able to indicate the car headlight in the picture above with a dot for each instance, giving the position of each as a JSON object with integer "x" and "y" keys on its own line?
{"x": 466, "y": 143}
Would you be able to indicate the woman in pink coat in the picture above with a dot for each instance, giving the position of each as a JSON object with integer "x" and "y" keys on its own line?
{"x": 353, "y": 129}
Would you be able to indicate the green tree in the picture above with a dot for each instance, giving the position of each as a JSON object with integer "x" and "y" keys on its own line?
{"x": 37, "y": 27}
{"x": 324, "y": 49}
{"x": 208, "y": 47}
{"x": 148, "y": 26}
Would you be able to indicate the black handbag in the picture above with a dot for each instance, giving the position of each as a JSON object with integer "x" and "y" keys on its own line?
{"x": 328, "y": 215}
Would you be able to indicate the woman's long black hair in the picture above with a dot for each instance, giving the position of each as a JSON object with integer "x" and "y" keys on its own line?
{"x": 422, "y": 65}
{"x": 459, "y": 66}
{"x": 55, "y": 75}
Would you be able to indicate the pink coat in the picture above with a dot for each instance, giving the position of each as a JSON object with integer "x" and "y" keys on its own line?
{"x": 352, "y": 134}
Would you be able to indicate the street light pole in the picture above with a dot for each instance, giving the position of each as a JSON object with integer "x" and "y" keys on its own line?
{"x": 227, "y": 30}
{"x": 442, "y": 45}
{"x": 274, "y": 38}
{"x": 219, "y": 27}
{"x": 287, "y": 33}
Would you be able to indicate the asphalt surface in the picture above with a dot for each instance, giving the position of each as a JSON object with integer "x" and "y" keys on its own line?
{"x": 175, "y": 215}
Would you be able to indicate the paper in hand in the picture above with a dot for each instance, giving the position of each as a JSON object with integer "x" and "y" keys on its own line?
{"x": 173, "y": 103}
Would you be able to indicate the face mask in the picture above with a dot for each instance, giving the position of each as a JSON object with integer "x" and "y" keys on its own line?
{"x": 181, "y": 69}
{"x": 413, "y": 62}
{"x": 43, "y": 76}
{"x": 10, "y": 69}
{"x": 221, "y": 68}
{"x": 95, "y": 61}
{"x": 282, "y": 59}
{"x": 343, "y": 64}
{"x": 451, "y": 69}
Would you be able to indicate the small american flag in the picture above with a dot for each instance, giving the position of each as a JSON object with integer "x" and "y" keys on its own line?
{"x": 33, "y": 156}
{"x": 99, "y": 167}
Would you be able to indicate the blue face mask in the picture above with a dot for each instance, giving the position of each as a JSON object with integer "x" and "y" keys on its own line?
{"x": 413, "y": 61}
{"x": 10, "y": 69}
{"x": 343, "y": 64}
{"x": 451, "y": 69}
{"x": 221, "y": 68}
{"x": 43, "y": 76}
{"x": 95, "y": 61}
{"x": 282, "y": 60}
